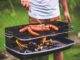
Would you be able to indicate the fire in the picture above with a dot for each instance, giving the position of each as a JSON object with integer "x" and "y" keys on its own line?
{"x": 44, "y": 39}
{"x": 20, "y": 45}
{"x": 51, "y": 40}
{"x": 40, "y": 47}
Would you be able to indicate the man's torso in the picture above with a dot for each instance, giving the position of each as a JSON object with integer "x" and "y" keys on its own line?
{"x": 44, "y": 9}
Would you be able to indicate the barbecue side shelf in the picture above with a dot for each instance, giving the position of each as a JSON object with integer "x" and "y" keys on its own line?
{"x": 26, "y": 36}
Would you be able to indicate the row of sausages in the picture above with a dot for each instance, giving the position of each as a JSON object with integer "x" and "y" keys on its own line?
{"x": 43, "y": 27}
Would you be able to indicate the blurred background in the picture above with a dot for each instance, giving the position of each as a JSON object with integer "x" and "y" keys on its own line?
{"x": 12, "y": 13}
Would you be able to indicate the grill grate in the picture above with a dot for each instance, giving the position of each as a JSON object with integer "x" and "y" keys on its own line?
{"x": 25, "y": 36}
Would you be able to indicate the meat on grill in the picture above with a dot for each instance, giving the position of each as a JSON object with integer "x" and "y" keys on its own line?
{"x": 43, "y": 27}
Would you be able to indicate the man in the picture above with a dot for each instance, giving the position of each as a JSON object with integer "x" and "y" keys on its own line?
{"x": 46, "y": 10}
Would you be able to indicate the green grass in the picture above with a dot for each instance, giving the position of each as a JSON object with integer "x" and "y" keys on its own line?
{"x": 9, "y": 19}
{"x": 70, "y": 54}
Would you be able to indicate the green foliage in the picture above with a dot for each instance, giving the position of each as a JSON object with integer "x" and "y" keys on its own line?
{"x": 72, "y": 5}
{"x": 12, "y": 7}
{"x": 11, "y": 17}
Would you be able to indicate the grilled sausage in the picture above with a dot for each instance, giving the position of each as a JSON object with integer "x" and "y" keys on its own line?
{"x": 32, "y": 32}
{"x": 36, "y": 27}
{"x": 23, "y": 29}
{"x": 54, "y": 27}
{"x": 39, "y": 28}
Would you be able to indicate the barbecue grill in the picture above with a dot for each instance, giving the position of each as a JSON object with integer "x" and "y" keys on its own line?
{"x": 25, "y": 39}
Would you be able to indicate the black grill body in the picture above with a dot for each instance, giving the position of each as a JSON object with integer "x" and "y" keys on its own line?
{"x": 12, "y": 33}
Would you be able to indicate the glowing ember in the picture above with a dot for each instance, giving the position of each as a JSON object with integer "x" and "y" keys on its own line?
{"x": 47, "y": 43}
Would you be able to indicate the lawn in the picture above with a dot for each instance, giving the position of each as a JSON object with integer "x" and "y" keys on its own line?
{"x": 70, "y": 54}
{"x": 9, "y": 19}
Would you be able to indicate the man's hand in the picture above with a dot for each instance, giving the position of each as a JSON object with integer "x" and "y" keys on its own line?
{"x": 26, "y": 4}
{"x": 67, "y": 17}
{"x": 66, "y": 13}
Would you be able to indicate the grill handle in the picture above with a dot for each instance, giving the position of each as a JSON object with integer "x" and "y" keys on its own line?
{"x": 70, "y": 25}
{"x": 8, "y": 35}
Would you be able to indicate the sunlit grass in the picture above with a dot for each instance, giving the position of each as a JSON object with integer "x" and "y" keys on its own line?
{"x": 9, "y": 19}
{"x": 70, "y": 54}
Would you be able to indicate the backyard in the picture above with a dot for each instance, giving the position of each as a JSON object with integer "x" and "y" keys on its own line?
{"x": 12, "y": 13}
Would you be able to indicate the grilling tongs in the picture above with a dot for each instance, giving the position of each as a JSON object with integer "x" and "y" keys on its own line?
{"x": 41, "y": 23}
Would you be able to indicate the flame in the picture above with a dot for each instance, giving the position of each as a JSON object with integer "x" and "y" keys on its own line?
{"x": 20, "y": 45}
{"x": 51, "y": 40}
{"x": 40, "y": 47}
{"x": 44, "y": 39}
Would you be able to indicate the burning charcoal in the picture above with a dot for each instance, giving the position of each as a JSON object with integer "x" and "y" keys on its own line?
{"x": 55, "y": 44}
{"x": 45, "y": 47}
{"x": 32, "y": 46}
{"x": 22, "y": 51}
{"x": 50, "y": 44}
{"x": 50, "y": 47}
{"x": 25, "y": 48}
{"x": 28, "y": 51}
{"x": 39, "y": 49}
{"x": 36, "y": 50}
{"x": 44, "y": 43}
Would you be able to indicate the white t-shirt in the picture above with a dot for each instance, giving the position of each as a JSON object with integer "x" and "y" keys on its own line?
{"x": 44, "y": 9}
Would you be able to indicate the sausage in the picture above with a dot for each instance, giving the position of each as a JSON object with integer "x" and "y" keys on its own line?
{"x": 47, "y": 29}
{"x": 23, "y": 29}
{"x": 32, "y": 32}
{"x": 37, "y": 27}
{"x": 40, "y": 28}
{"x": 54, "y": 27}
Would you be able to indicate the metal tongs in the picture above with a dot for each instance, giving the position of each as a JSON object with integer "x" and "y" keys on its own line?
{"x": 41, "y": 23}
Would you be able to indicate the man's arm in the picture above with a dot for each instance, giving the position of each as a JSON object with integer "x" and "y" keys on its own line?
{"x": 26, "y": 4}
{"x": 66, "y": 12}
